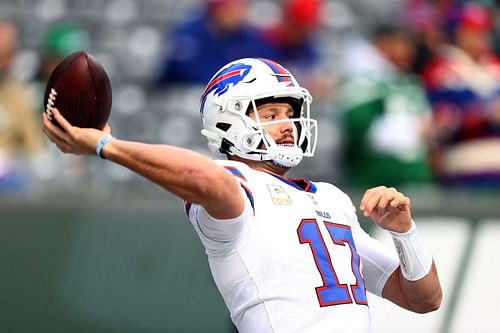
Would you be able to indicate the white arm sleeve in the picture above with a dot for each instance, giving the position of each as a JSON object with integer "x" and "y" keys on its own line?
{"x": 377, "y": 260}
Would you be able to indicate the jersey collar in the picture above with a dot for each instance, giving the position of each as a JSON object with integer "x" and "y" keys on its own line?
{"x": 301, "y": 184}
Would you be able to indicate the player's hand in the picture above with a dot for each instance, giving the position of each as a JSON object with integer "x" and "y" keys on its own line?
{"x": 388, "y": 208}
{"x": 71, "y": 139}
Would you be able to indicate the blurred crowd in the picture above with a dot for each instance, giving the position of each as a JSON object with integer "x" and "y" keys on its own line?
{"x": 412, "y": 98}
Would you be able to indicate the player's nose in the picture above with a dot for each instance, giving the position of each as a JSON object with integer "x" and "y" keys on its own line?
{"x": 286, "y": 126}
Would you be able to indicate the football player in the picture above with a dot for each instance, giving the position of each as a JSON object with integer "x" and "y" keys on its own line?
{"x": 287, "y": 255}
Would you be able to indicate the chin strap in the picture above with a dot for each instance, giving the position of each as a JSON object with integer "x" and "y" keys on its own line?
{"x": 283, "y": 156}
{"x": 287, "y": 157}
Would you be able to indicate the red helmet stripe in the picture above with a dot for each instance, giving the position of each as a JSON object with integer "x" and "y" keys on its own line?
{"x": 283, "y": 75}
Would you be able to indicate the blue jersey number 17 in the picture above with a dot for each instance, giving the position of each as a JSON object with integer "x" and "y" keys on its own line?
{"x": 332, "y": 292}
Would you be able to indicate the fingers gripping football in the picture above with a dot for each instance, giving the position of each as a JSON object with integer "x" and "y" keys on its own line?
{"x": 388, "y": 208}
{"x": 71, "y": 139}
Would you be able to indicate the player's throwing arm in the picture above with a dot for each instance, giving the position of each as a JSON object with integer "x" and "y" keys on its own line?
{"x": 187, "y": 174}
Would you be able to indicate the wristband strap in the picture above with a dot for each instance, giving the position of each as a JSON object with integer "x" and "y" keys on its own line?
{"x": 415, "y": 259}
{"x": 105, "y": 139}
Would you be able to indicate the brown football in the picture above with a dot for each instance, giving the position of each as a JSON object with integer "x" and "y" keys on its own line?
{"x": 80, "y": 89}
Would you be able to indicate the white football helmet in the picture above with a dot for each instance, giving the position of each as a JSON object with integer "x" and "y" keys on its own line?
{"x": 235, "y": 90}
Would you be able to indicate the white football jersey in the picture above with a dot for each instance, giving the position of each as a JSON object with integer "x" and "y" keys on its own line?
{"x": 296, "y": 260}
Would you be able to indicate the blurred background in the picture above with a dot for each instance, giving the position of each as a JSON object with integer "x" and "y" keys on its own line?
{"x": 406, "y": 93}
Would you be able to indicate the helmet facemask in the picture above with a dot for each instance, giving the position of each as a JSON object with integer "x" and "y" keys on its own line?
{"x": 303, "y": 132}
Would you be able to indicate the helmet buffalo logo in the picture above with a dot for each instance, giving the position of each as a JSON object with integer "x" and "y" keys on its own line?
{"x": 220, "y": 84}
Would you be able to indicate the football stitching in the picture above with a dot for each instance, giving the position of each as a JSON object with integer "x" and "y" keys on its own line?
{"x": 50, "y": 103}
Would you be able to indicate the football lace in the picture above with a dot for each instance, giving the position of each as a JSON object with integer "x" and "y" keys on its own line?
{"x": 50, "y": 103}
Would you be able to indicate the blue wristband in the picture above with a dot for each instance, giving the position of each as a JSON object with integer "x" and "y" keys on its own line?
{"x": 105, "y": 139}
